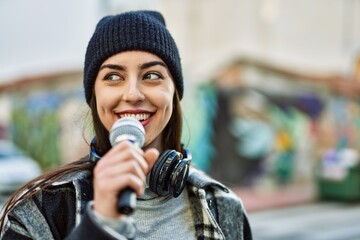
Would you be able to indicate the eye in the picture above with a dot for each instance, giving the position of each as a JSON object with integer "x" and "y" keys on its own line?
{"x": 112, "y": 77}
{"x": 153, "y": 76}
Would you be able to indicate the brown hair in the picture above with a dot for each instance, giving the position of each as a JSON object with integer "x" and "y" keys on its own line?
{"x": 171, "y": 140}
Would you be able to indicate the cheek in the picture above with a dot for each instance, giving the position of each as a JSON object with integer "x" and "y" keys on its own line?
{"x": 170, "y": 101}
{"x": 165, "y": 101}
{"x": 167, "y": 109}
{"x": 104, "y": 104}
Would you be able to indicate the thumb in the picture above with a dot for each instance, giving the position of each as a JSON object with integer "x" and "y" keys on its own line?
{"x": 151, "y": 155}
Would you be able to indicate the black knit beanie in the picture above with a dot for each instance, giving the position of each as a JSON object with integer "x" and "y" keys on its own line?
{"x": 136, "y": 30}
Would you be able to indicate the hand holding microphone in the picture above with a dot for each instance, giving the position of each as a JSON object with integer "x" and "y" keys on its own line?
{"x": 122, "y": 171}
{"x": 127, "y": 129}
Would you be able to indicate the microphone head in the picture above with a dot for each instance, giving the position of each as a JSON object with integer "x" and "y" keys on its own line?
{"x": 127, "y": 128}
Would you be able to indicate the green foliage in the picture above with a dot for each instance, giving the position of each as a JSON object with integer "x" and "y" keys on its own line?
{"x": 37, "y": 134}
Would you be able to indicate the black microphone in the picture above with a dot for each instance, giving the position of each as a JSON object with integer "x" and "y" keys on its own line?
{"x": 127, "y": 129}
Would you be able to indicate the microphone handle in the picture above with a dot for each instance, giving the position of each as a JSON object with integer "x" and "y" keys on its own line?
{"x": 126, "y": 201}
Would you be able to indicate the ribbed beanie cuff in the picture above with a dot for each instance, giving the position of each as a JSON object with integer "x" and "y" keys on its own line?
{"x": 137, "y": 30}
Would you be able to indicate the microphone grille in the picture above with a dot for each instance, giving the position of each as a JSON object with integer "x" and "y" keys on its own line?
{"x": 127, "y": 128}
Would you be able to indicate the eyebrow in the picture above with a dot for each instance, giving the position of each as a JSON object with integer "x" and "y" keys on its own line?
{"x": 152, "y": 63}
{"x": 113, "y": 66}
{"x": 142, "y": 66}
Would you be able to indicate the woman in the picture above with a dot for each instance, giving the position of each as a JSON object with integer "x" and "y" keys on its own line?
{"x": 132, "y": 69}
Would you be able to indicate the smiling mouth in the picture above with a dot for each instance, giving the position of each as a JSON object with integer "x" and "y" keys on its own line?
{"x": 138, "y": 116}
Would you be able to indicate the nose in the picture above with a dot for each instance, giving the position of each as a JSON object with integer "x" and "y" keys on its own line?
{"x": 133, "y": 93}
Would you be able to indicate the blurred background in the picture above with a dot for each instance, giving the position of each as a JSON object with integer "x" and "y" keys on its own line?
{"x": 271, "y": 105}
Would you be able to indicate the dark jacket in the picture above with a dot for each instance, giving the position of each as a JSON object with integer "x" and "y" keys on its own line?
{"x": 60, "y": 211}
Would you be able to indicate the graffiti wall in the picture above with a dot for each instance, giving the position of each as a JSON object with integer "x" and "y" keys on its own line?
{"x": 279, "y": 132}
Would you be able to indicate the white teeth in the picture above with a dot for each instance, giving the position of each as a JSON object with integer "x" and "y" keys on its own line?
{"x": 139, "y": 117}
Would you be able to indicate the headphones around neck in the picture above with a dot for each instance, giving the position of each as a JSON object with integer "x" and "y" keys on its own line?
{"x": 169, "y": 174}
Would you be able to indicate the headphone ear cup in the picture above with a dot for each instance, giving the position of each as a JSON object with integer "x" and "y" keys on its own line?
{"x": 169, "y": 174}
{"x": 179, "y": 176}
{"x": 157, "y": 174}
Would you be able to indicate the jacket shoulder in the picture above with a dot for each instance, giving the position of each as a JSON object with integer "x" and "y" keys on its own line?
{"x": 226, "y": 205}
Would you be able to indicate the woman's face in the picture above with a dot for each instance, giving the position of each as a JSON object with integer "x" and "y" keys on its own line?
{"x": 136, "y": 84}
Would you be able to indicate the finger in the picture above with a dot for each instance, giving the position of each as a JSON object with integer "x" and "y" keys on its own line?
{"x": 106, "y": 193}
{"x": 151, "y": 155}
{"x": 126, "y": 144}
{"x": 123, "y": 147}
{"x": 116, "y": 184}
{"x": 132, "y": 167}
{"x": 131, "y": 155}
{"x": 116, "y": 157}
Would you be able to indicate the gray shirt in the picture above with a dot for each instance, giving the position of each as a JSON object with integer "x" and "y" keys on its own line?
{"x": 155, "y": 217}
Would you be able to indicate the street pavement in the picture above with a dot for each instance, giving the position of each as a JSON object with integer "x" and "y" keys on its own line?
{"x": 313, "y": 221}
